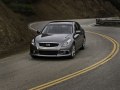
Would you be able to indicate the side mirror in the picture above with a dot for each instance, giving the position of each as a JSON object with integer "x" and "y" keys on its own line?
{"x": 38, "y": 32}
{"x": 78, "y": 32}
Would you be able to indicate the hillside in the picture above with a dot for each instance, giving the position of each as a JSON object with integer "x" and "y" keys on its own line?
{"x": 13, "y": 30}
{"x": 16, "y": 14}
{"x": 65, "y": 9}
{"x": 116, "y": 3}
{"x": 62, "y": 9}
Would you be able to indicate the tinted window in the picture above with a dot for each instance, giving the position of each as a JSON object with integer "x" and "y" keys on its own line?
{"x": 77, "y": 25}
{"x": 58, "y": 29}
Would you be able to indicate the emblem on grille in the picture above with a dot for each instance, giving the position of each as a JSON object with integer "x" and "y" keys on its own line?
{"x": 48, "y": 45}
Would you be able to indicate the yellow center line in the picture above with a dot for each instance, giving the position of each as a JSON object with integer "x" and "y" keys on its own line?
{"x": 87, "y": 69}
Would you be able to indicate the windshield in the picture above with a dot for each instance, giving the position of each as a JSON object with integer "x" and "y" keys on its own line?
{"x": 58, "y": 29}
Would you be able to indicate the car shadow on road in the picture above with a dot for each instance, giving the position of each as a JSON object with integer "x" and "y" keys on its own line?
{"x": 51, "y": 58}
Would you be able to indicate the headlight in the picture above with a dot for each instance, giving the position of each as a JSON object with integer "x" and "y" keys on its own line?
{"x": 66, "y": 43}
{"x": 33, "y": 42}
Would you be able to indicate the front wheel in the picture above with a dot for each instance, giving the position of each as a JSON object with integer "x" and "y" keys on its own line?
{"x": 32, "y": 56}
{"x": 73, "y": 52}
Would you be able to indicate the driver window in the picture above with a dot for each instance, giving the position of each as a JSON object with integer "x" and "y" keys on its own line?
{"x": 76, "y": 27}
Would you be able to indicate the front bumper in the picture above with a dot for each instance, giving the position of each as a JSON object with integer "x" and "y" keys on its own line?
{"x": 38, "y": 55}
{"x": 50, "y": 52}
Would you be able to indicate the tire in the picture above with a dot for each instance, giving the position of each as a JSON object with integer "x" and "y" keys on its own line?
{"x": 83, "y": 44}
{"x": 73, "y": 52}
{"x": 33, "y": 56}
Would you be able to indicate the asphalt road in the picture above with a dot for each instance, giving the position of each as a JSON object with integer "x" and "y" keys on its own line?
{"x": 21, "y": 72}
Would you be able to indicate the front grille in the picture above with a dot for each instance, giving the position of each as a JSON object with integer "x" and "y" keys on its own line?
{"x": 48, "y": 52}
{"x": 48, "y": 44}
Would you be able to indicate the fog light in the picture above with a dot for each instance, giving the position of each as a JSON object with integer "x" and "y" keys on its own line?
{"x": 35, "y": 52}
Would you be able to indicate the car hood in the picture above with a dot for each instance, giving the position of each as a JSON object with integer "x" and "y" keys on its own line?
{"x": 52, "y": 38}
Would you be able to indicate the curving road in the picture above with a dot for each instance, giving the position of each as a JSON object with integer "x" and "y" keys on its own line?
{"x": 95, "y": 68}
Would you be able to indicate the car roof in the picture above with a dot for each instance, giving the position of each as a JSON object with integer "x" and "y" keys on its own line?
{"x": 62, "y": 22}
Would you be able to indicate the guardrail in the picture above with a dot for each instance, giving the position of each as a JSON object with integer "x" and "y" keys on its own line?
{"x": 109, "y": 22}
